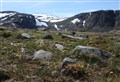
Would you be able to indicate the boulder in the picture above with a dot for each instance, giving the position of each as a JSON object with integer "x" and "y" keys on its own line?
{"x": 92, "y": 51}
{"x": 48, "y": 36}
{"x": 42, "y": 54}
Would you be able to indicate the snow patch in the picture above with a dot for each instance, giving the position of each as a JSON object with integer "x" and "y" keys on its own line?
{"x": 75, "y": 20}
{"x": 4, "y": 19}
{"x": 56, "y": 27}
{"x": 38, "y": 23}
{"x": 84, "y": 23}
{"x": 47, "y": 18}
{"x": 3, "y": 15}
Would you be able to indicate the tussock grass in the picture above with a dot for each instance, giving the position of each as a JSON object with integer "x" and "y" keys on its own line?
{"x": 27, "y": 70}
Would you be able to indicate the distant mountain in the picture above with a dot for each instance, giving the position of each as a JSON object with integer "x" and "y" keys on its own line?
{"x": 99, "y": 21}
{"x": 17, "y": 20}
{"x": 20, "y": 20}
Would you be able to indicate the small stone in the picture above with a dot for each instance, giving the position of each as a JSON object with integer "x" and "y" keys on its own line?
{"x": 59, "y": 47}
{"x": 71, "y": 37}
{"x": 39, "y": 41}
{"x": 26, "y": 36}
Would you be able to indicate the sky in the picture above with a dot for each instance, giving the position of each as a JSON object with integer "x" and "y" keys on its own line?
{"x": 61, "y": 8}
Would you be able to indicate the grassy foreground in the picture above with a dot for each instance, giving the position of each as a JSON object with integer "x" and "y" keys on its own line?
{"x": 20, "y": 68}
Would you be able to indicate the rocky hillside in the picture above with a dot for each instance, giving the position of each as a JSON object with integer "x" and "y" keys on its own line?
{"x": 20, "y": 20}
{"x": 17, "y": 20}
{"x": 98, "y": 21}
{"x": 93, "y": 21}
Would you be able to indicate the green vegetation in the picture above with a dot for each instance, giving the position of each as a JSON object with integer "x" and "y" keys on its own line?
{"x": 21, "y": 68}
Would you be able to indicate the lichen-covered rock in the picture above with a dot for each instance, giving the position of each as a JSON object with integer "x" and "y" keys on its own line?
{"x": 42, "y": 54}
{"x": 92, "y": 51}
{"x": 67, "y": 61}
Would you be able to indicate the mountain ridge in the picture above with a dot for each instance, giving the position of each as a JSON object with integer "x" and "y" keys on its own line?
{"x": 98, "y": 21}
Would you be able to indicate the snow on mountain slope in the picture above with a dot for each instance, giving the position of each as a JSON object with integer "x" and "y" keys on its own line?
{"x": 38, "y": 23}
{"x": 75, "y": 20}
{"x": 47, "y": 18}
{"x": 6, "y": 14}
{"x": 56, "y": 27}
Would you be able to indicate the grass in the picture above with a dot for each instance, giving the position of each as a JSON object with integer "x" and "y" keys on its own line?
{"x": 22, "y": 69}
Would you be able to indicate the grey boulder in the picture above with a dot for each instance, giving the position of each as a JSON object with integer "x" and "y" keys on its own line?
{"x": 91, "y": 51}
{"x": 42, "y": 54}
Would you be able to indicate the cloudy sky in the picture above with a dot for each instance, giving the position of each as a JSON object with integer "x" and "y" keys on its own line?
{"x": 61, "y": 8}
